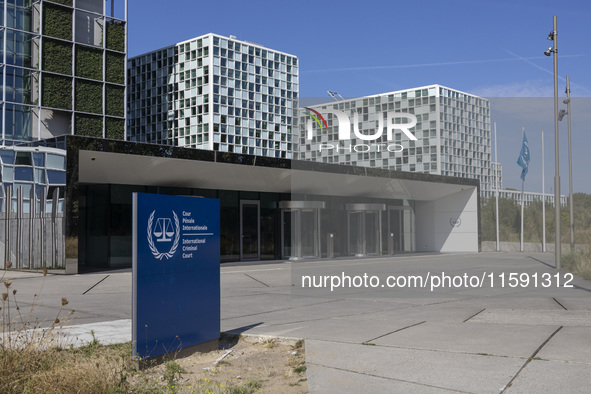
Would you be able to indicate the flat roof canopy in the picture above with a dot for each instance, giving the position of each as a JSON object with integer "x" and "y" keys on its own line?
{"x": 299, "y": 178}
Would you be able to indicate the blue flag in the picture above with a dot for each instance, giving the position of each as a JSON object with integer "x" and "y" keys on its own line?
{"x": 523, "y": 159}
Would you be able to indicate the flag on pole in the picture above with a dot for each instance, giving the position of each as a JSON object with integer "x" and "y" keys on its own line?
{"x": 523, "y": 159}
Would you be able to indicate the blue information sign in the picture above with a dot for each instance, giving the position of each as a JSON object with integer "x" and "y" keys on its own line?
{"x": 176, "y": 273}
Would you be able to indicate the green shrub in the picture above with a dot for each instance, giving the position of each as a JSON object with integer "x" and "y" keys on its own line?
{"x": 89, "y": 62}
{"x": 115, "y": 68}
{"x": 115, "y": 103}
{"x": 89, "y": 96}
{"x": 57, "y": 21}
{"x": 57, "y": 56}
{"x": 88, "y": 125}
{"x": 57, "y": 91}
{"x": 116, "y": 35}
{"x": 114, "y": 129}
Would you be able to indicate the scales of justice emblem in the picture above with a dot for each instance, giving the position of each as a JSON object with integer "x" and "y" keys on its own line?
{"x": 164, "y": 231}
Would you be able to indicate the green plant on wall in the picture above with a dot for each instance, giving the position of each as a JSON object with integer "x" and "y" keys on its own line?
{"x": 115, "y": 68}
{"x": 57, "y": 56}
{"x": 114, "y": 128}
{"x": 116, "y": 35}
{"x": 64, "y": 2}
{"x": 89, "y": 96}
{"x": 88, "y": 125}
{"x": 57, "y": 21}
{"x": 57, "y": 91}
{"x": 115, "y": 100}
{"x": 89, "y": 62}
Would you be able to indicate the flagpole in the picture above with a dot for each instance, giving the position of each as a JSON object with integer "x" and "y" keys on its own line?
{"x": 522, "y": 192}
{"x": 543, "y": 199}
{"x": 497, "y": 188}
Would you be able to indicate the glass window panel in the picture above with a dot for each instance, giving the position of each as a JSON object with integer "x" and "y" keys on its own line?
{"x": 91, "y": 5}
{"x": 7, "y": 174}
{"x": 1, "y": 42}
{"x": 56, "y": 177}
{"x": 40, "y": 176}
{"x": 89, "y": 28}
{"x": 39, "y": 159}
{"x": 56, "y": 161}
{"x": 23, "y": 174}
{"x": 23, "y": 158}
{"x": 19, "y": 48}
{"x": 20, "y": 84}
{"x": 18, "y": 14}
{"x": 7, "y": 156}
{"x": 26, "y": 187}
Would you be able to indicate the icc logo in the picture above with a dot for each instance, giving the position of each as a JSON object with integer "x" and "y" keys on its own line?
{"x": 165, "y": 234}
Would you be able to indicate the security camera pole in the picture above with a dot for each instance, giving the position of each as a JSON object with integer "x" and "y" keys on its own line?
{"x": 570, "y": 169}
{"x": 557, "y": 246}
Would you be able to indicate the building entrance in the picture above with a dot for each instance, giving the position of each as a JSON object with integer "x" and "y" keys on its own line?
{"x": 364, "y": 229}
{"x": 300, "y": 229}
{"x": 250, "y": 230}
{"x": 400, "y": 229}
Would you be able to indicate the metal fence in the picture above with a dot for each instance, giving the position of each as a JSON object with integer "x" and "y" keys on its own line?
{"x": 32, "y": 230}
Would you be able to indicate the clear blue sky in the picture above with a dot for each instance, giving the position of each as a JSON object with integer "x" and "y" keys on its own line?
{"x": 489, "y": 48}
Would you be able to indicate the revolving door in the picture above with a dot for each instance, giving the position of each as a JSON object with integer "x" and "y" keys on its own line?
{"x": 300, "y": 229}
{"x": 364, "y": 229}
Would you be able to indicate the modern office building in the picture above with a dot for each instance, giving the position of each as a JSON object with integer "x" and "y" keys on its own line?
{"x": 32, "y": 200}
{"x": 452, "y": 131}
{"x": 215, "y": 93}
{"x": 529, "y": 197}
{"x": 63, "y": 69}
{"x": 271, "y": 208}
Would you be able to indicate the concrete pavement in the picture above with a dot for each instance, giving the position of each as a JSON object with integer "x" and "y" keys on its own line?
{"x": 484, "y": 339}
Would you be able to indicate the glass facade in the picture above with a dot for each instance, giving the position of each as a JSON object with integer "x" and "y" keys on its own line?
{"x": 62, "y": 69}
{"x": 215, "y": 93}
{"x": 254, "y": 225}
{"x": 453, "y": 132}
{"x": 38, "y": 173}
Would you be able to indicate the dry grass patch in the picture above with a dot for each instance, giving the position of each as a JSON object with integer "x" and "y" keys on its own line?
{"x": 578, "y": 262}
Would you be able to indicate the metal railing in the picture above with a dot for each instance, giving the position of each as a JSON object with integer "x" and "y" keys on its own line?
{"x": 32, "y": 238}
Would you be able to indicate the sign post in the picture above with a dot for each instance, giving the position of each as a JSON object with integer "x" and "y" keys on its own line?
{"x": 176, "y": 273}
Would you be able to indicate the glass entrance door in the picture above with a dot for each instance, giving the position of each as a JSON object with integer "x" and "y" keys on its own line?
{"x": 250, "y": 230}
{"x": 300, "y": 229}
{"x": 372, "y": 232}
{"x": 288, "y": 233}
{"x": 394, "y": 231}
{"x": 356, "y": 233}
{"x": 309, "y": 232}
{"x": 400, "y": 229}
{"x": 365, "y": 232}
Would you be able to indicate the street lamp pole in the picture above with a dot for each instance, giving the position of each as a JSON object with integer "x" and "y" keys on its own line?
{"x": 554, "y": 49}
{"x": 570, "y": 169}
{"x": 543, "y": 199}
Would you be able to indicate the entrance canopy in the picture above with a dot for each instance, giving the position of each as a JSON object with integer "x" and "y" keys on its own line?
{"x": 305, "y": 178}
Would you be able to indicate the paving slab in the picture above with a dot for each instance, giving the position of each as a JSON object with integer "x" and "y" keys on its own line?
{"x": 569, "y": 344}
{"x": 437, "y": 312}
{"x": 552, "y": 377}
{"x": 493, "y": 339}
{"x": 345, "y": 329}
{"x": 450, "y": 371}
{"x": 546, "y": 303}
{"x": 554, "y": 317}
{"x": 330, "y": 380}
